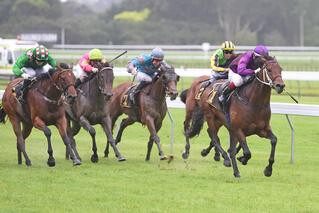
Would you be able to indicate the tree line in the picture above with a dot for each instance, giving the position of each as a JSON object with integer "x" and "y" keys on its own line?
{"x": 246, "y": 22}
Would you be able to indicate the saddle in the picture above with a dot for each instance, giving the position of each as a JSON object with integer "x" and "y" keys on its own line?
{"x": 125, "y": 102}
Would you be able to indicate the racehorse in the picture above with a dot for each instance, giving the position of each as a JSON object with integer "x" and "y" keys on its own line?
{"x": 194, "y": 120}
{"x": 248, "y": 113}
{"x": 44, "y": 107}
{"x": 150, "y": 108}
{"x": 90, "y": 108}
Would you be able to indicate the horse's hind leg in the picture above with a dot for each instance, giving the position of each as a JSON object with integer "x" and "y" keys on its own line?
{"x": 232, "y": 154}
{"x": 186, "y": 129}
{"x": 20, "y": 142}
{"x": 206, "y": 151}
{"x": 243, "y": 144}
{"x": 107, "y": 124}
{"x": 71, "y": 133}
{"x": 125, "y": 122}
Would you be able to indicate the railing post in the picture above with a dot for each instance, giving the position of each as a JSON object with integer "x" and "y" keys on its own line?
{"x": 292, "y": 158}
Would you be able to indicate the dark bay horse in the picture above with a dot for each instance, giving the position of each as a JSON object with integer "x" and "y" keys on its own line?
{"x": 150, "y": 109}
{"x": 44, "y": 107}
{"x": 249, "y": 113}
{"x": 194, "y": 120}
{"x": 90, "y": 108}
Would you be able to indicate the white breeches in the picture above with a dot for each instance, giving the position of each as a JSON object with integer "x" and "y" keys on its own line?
{"x": 79, "y": 72}
{"x": 37, "y": 71}
{"x": 140, "y": 76}
{"x": 237, "y": 79}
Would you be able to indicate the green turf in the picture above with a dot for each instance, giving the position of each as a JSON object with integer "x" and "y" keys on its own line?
{"x": 197, "y": 185}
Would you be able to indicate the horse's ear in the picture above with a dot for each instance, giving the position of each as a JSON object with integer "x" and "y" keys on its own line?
{"x": 64, "y": 66}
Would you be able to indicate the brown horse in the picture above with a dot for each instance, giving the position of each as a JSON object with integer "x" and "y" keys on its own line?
{"x": 248, "y": 114}
{"x": 91, "y": 108}
{"x": 44, "y": 107}
{"x": 150, "y": 109}
{"x": 194, "y": 120}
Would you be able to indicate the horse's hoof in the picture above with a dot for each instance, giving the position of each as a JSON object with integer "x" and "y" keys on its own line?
{"x": 120, "y": 159}
{"x": 28, "y": 163}
{"x": 94, "y": 158}
{"x": 204, "y": 153}
{"x": 163, "y": 158}
{"x": 51, "y": 162}
{"x": 227, "y": 163}
{"x": 185, "y": 155}
{"x": 243, "y": 160}
{"x": 236, "y": 175}
{"x": 217, "y": 157}
{"x": 76, "y": 162}
{"x": 267, "y": 172}
{"x": 106, "y": 155}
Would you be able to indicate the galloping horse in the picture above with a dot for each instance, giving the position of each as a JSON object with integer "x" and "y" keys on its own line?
{"x": 44, "y": 107}
{"x": 194, "y": 120}
{"x": 90, "y": 108}
{"x": 150, "y": 109}
{"x": 248, "y": 114}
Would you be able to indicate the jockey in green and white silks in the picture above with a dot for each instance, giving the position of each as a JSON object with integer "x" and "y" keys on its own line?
{"x": 32, "y": 63}
{"x": 144, "y": 68}
{"x": 220, "y": 62}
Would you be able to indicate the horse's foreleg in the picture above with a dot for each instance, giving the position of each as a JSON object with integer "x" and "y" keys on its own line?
{"x": 149, "y": 148}
{"x": 88, "y": 127}
{"x": 206, "y": 151}
{"x": 153, "y": 134}
{"x": 39, "y": 124}
{"x": 62, "y": 127}
{"x": 124, "y": 123}
{"x": 243, "y": 144}
{"x": 232, "y": 154}
{"x": 107, "y": 124}
{"x": 271, "y": 160}
{"x": 20, "y": 142}
{"x": 212, "y": 131}
{"x": 71, "y": 133}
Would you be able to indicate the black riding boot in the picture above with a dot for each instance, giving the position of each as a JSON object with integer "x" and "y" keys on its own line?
{"x": 136, "y": 90}
{"x": 77, "y": 83}
{"x": 223, "y": 97}
{"x": 21, "y": 90}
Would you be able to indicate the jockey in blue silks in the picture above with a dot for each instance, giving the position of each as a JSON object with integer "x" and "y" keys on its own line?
{"x": 242, "y": 68}
{"x": 145, "y": 68}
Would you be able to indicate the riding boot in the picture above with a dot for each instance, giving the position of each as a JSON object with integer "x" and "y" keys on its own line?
{"x": 223, "y": 97}
{"x": 77, "y": 83}
{"x": 21, "y": 90}
{"x": 136, "y": 90}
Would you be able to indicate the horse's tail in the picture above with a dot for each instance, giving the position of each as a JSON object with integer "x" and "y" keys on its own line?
{"x": 197, "y": 122}
{"x": 183, "y": 95}
{"x": 3, "y": 114}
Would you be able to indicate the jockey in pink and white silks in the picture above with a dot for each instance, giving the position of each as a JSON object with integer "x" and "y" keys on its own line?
{"x": 87, "y": 65}
{"x": 242, "y": 68}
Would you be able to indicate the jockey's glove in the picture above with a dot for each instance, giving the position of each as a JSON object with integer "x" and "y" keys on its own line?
{"x": 25, "y": 75}
{"x": 134, "y": 71}
{"x": 257, "y": 70}
{"x": 94, "y": 70}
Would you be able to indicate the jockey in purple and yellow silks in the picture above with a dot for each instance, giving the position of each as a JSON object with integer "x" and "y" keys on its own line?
{"x": 242, "y": 68}
{"x": 87, "y": 65}
{"x": 145, "y": 68}
{"x": 220, "y": 62}
{"x": 32, "y": 63}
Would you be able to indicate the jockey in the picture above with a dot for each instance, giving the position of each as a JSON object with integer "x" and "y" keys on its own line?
{"x": 87, "y": 65}
{"x": 242, "y": 68}
{"x": 145, "y": 68}
{"x": 31, "y": 64}
{"x": 220, "y": 62}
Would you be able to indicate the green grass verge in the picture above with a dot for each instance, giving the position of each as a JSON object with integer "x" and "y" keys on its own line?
{"x": 198, "y": 185}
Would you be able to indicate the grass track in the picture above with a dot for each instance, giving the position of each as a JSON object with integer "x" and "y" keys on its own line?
{"x": 198, "y": 185}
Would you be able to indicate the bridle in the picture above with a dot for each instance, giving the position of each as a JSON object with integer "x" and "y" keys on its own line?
{"x": 64, "y": 88}
{"x": 108, "y": 68}
{"x": 265, "y": 75}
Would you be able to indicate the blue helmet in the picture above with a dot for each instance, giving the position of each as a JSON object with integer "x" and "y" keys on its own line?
{"x": 157, "y": 53}
{"x": 261, "y": 50}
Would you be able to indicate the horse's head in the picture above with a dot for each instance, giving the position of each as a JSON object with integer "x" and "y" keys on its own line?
{"x": 170, "y": 79}
{"x": 105, "y": 77}
{"x": 270, "y": 74}
{"x": 64, "y": 79}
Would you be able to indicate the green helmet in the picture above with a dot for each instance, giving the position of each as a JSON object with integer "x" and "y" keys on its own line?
{"x": 95, "y": 54}
{"x": 41, "y": 53}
